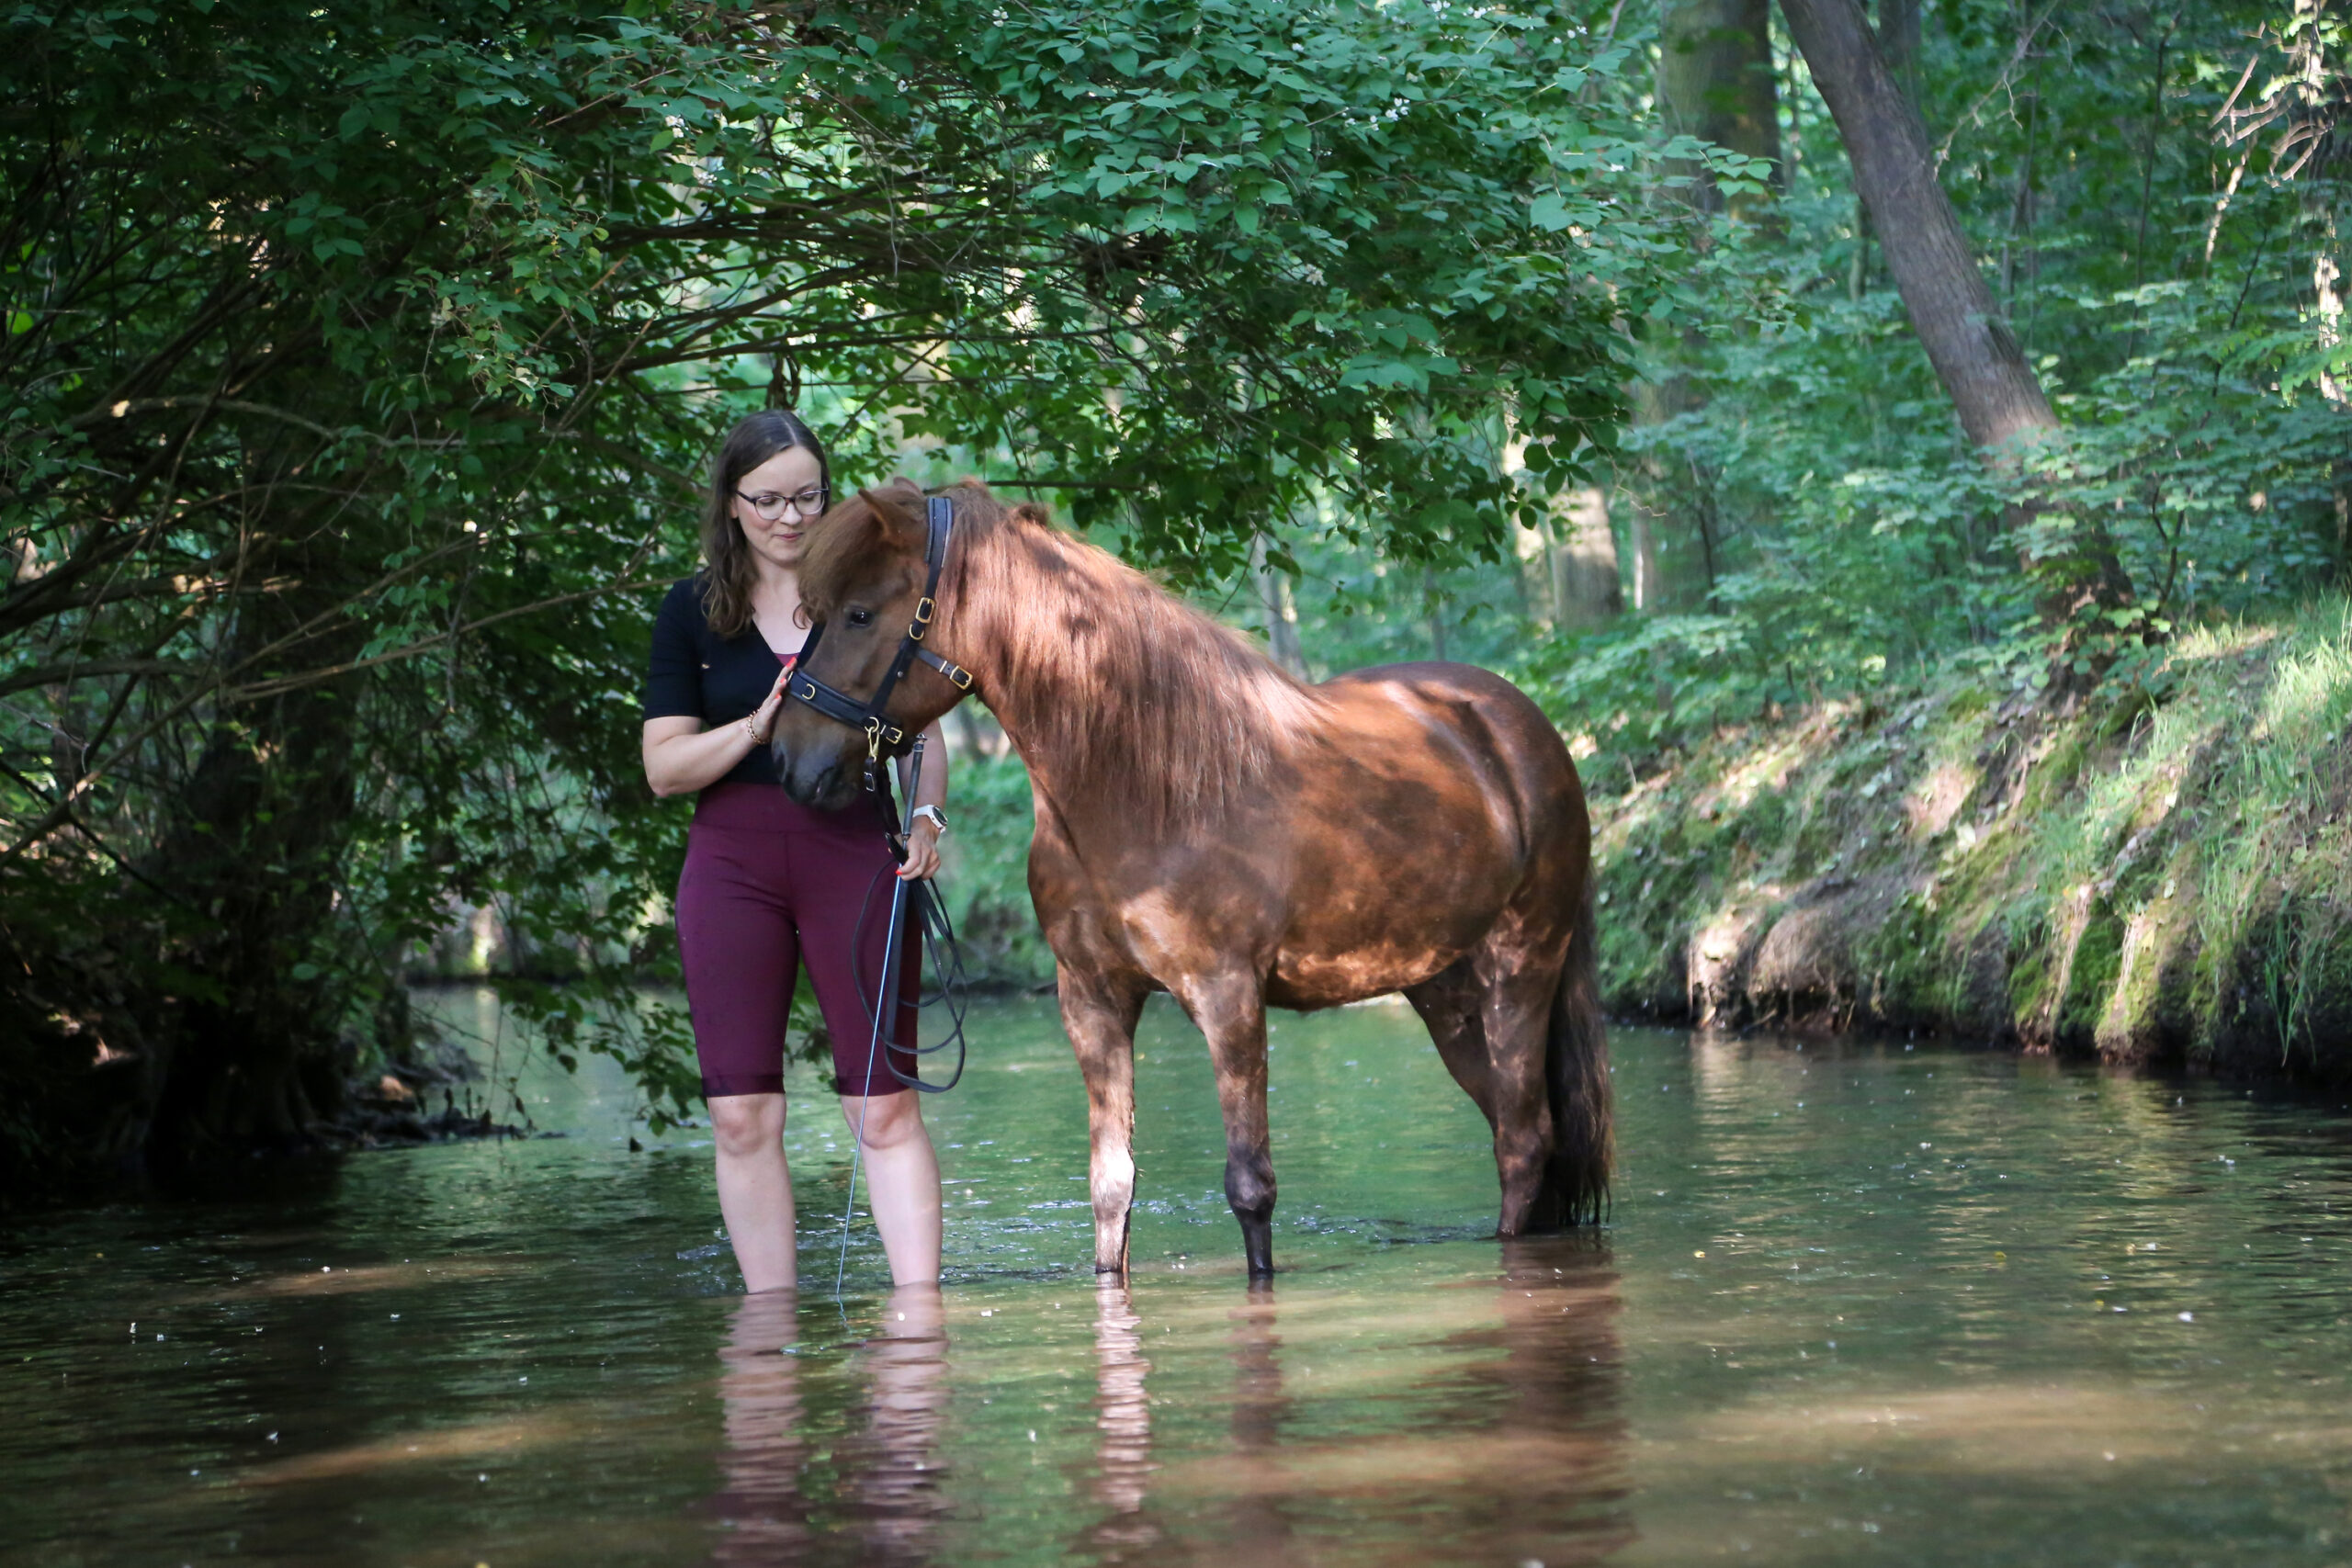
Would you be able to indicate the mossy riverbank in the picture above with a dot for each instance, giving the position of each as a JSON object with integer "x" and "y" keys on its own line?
{"x": 2157, "y": 875}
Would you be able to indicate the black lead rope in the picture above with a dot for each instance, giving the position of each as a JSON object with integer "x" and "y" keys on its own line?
{"x": 914, "y": 904}
{"x": 946, "y": 960}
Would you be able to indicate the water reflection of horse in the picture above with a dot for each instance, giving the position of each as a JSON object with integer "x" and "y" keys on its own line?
{"x": 1209, "y": 826}
{"x": 1495, "y": 1427}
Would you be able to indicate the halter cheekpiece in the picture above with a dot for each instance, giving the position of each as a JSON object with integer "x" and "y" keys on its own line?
{"x": 883, "y": 738}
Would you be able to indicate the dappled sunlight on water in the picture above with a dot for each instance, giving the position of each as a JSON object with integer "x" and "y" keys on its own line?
{"x": 330, "y": 1281}
{"x": 1855, "y": 1301}
{"x": 430, "y": 1445}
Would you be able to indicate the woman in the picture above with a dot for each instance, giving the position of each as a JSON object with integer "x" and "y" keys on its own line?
{"x": 770, "y": 885}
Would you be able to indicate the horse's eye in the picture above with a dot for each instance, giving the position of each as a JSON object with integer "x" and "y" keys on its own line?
{"x": 861, "y": 617}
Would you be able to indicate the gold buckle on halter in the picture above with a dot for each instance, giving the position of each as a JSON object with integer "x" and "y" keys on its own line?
{"x": 958, "y": 677}
{"x": 923, "y": 609}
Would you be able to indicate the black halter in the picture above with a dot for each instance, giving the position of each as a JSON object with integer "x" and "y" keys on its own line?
{"x": 883, "y": 738}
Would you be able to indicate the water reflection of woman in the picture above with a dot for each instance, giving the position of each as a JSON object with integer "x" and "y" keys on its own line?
{"x": 887, "y": 1468}
{"x": 770, "y": 885}
{"x": 899, "y": 1486}
{"x": 759, "y": 1500}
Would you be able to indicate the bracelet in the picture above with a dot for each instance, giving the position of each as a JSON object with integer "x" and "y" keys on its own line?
{"x": 746, "y": 722}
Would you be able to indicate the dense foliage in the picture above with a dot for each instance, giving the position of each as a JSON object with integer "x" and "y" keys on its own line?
{"x": 1812, "y": 525}
{"x": 2158, "y": 194}
{"x": 360, "y": 361}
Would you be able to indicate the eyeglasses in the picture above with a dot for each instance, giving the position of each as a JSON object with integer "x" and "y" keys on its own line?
{"x": 809, "y": 503}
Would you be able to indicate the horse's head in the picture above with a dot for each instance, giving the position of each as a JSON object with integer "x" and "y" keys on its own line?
{"x": 861, "y": 579}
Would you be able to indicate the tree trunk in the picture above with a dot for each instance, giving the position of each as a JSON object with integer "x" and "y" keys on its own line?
{"x": 255, "y": 1061}
{"x": 1898, "y": 41}
{"x": 1644, "y": 576}
{"x": 1993, "y": 389}
{"x": 1281, "y": 614}
{"x": 1586, "y": 590}
{"x": 1716, "y": 82}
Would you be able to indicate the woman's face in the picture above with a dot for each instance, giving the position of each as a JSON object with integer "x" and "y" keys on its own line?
{"x": 788, "y": 486}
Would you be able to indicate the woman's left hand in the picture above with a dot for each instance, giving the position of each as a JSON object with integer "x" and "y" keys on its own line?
{"x": 922, "y": 850}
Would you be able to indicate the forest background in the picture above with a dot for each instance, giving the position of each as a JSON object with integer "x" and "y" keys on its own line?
{"x": 1940, "y": 580}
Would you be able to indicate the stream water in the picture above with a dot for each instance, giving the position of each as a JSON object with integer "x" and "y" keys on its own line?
{"x": 1856, "y": 1301}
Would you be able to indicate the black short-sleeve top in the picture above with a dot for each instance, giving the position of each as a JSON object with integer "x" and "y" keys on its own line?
{"x": 697, "y": 673}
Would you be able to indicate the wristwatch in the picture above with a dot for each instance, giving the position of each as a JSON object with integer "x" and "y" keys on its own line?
{"x": 938, "y": 818}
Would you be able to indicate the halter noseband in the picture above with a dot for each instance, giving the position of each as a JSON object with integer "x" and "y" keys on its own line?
{"x": 883, "y": 738}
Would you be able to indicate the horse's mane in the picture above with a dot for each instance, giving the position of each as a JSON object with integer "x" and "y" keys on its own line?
{"x": 1107, "y": 680}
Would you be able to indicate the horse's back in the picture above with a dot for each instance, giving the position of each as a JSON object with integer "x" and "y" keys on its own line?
{"x": 1480, "y": 737}
{"x": 1483, "y": 719}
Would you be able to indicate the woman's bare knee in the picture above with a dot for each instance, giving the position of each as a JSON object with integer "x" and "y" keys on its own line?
{"x": 746, "y": 1123}
{"x": 884, "y": 1121}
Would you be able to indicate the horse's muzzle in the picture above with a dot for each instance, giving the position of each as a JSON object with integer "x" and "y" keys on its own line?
{"x": 823, "y": 778}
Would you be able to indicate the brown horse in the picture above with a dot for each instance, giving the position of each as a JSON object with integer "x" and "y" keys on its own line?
{"x": 1211, "y": 828}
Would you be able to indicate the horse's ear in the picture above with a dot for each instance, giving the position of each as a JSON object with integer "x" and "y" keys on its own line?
{"x": 898, "y": 506}
{"x": 1030, "y": 511}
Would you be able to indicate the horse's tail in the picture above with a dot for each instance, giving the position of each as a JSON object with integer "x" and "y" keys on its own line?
{"x": 1576, "y": 1072}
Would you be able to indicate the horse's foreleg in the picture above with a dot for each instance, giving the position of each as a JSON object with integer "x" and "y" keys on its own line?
{"x": 1232, "y": 1013}
{"x": 1100, "y": 1018}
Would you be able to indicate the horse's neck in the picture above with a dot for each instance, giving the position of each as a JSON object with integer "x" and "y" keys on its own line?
{"x": 1059, "y": 699}
{"x": 1141, "y": 720}
{"x": 1028, "y": 671}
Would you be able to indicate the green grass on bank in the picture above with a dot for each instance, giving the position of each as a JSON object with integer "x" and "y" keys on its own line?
{"x": 2157, "y": 875}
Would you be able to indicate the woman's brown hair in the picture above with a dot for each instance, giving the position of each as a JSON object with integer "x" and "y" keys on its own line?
{"x": 727, "y": 574}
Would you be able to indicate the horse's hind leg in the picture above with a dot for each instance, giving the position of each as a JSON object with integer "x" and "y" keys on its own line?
{"x": 1518, "y": 1012}
{"x": 1451, "y": 1004}
{"x": 1489, "y": 1015}
{"x": 1099, "y": 1015}
{"x": 1231, "y": 1011}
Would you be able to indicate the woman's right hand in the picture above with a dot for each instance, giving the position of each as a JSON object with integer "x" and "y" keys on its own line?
{"x": 680, "y": 756}
{"x": 760, "y": 722}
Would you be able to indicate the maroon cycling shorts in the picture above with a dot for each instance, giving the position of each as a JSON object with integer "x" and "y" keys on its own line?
{"x": 770, "y": 885}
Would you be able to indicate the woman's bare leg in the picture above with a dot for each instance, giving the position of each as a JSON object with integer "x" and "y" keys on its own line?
{"x": 755, "y": 1190}
{"x": 902, "y": 1178}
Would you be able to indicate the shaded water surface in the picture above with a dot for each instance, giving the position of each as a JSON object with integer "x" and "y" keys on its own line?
{"x": 1856, "y": 1301}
